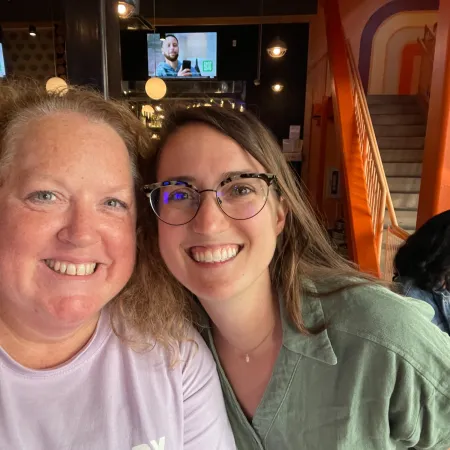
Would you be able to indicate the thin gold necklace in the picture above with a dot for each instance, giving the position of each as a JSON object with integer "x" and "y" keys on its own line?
{"x": 247, "y": 354}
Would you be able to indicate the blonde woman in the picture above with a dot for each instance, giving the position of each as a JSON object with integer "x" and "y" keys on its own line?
{"x": 67, "y": 251}
{"x": 311, "y": 353}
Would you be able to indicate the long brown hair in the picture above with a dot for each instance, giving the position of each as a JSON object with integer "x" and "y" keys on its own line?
{"x": 303, "y": 251}
{"x": 140, "y": 313}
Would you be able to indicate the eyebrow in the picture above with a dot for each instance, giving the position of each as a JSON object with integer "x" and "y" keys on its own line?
{"x": 118, "y": 189}
{"x": 190, "y": 179}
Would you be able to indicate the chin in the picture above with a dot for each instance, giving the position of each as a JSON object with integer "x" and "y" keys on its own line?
{"x": 214, "y": 292}
{"x": 75, "y": 310}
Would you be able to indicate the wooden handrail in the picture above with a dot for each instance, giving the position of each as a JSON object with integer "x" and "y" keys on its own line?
{"x": 367, "y": 193}
{"x": 399, "y": 232}
{"x": 371, "y": 135}
{"x": 365, "y": 240}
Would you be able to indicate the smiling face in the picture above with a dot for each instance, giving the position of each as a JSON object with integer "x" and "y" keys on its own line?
{"x": 214, "y": 256}
{"x": 170, "y": 48}
{"x": 67, "y": 241}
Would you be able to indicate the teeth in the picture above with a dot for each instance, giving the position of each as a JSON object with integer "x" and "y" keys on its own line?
{"x": 215, "y": 256}
{"x": 70, "y": 268}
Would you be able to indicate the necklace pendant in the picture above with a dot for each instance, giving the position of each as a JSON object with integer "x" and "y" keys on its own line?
{"x": 247, "y": 358}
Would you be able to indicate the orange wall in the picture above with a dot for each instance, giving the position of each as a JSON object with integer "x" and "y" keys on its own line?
{"x": 399, "y": 31}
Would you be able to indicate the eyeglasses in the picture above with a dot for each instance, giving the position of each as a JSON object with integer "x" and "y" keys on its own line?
{"x": 240, "y": 197}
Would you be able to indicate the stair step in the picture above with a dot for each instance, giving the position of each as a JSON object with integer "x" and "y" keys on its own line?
{"x": 394, "y": 109}
{"x": 383, "y": 99}
{"x": 401, "y": 155}
{"x": 405, "y": 201}
{"x": 398, "y": 119}
{"x": 400, "y": 130}
{"x": 401, "y": 142}
{"x": 406, "y": 219}
{"x": 404, "y": 184}
{"x": 402, "y": 169}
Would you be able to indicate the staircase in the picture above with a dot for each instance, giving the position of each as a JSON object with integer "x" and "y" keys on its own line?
{"x": 400, "y": 127}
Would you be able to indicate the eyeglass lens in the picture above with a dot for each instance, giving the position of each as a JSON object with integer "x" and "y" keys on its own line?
{"x": 239, "y": 199}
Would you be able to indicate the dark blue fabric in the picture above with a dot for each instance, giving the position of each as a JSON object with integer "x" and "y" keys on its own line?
{"x": 166, "y": 70}
{"x": 439, "y": 299}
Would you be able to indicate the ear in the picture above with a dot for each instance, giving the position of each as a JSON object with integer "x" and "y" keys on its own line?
{"x": 281, "y": 211}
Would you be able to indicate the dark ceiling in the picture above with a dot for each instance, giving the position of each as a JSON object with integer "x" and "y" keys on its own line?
{"x": 43, "y": 10}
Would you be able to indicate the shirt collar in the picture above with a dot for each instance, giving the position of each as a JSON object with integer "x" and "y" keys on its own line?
{"x": 316, "y": 347}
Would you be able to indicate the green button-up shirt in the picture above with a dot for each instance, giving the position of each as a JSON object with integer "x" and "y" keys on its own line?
{"x": 377, "y": 378}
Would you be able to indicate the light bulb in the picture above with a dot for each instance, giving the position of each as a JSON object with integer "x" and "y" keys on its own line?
{"x": 276, "y": 51}
{"x": 156, "y": 88}
{"x": 121, "y": 9}
{"x": 277, "y": 87}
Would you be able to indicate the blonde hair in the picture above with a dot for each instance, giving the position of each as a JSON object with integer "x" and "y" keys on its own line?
{"x": 303, "y": 251}
{"x": 139, "y": 314}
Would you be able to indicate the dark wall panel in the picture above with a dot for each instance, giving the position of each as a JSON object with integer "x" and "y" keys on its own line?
{"x": 281, "y": 110}
{"x": 40, "y": 10}
{"x": 229, "y": 8}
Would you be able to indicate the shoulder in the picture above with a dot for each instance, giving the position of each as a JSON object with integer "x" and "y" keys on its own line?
{"x": 385, "y": 322}
{"x": 375, "y": 304}
{"x": 195, "y": 357}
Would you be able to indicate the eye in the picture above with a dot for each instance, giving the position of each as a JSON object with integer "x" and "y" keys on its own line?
{"x": 177, "y": 196}
{"x": 42, "y": 197}
{"x": 115, "y": 203}
{"x": 241, "y": 190}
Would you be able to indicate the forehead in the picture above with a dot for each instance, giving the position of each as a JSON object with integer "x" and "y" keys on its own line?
{"x": 170, "y": 40}
{"x": 69, "y": 142}
{"x": 204, "y": 154}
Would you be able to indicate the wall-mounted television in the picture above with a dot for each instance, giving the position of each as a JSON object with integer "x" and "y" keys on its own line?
{"x": 182, "y": 55}
{"x": 2, "y": 63}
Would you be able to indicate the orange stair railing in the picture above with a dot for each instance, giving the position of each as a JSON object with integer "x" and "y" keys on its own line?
{"x": 367, "y": 193}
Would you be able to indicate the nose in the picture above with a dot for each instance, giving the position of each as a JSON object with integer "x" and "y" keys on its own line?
{"x": 81, "y": 227}
{"x": 210, "y": 219}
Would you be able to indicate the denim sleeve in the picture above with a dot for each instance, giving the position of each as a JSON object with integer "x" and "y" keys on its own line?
{"x": 428, "y": 297}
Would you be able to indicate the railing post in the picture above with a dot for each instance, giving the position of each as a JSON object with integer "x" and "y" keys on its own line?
{"x": 358, "y": 208}
{"x": 435, "y": 186}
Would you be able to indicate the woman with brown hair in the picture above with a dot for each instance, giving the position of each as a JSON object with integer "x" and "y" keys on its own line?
{"x": 311, "y": 353}
{"x": 68, "y": 224}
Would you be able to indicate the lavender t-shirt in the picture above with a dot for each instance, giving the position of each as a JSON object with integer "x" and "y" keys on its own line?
{"x": 110, "y": 397}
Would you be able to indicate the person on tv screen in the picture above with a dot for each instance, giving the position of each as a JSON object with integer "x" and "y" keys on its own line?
{"x": 172, "y": 67}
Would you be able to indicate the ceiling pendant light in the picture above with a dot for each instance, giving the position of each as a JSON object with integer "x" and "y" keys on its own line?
{"x": 56, "y": 85}
{"x": 126, "y": 8}
{"x": 277, "y": 48}
{"x": 32, "y": 30}
{"x": 277, "y": 87}
{"x": 156, "y": 88}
